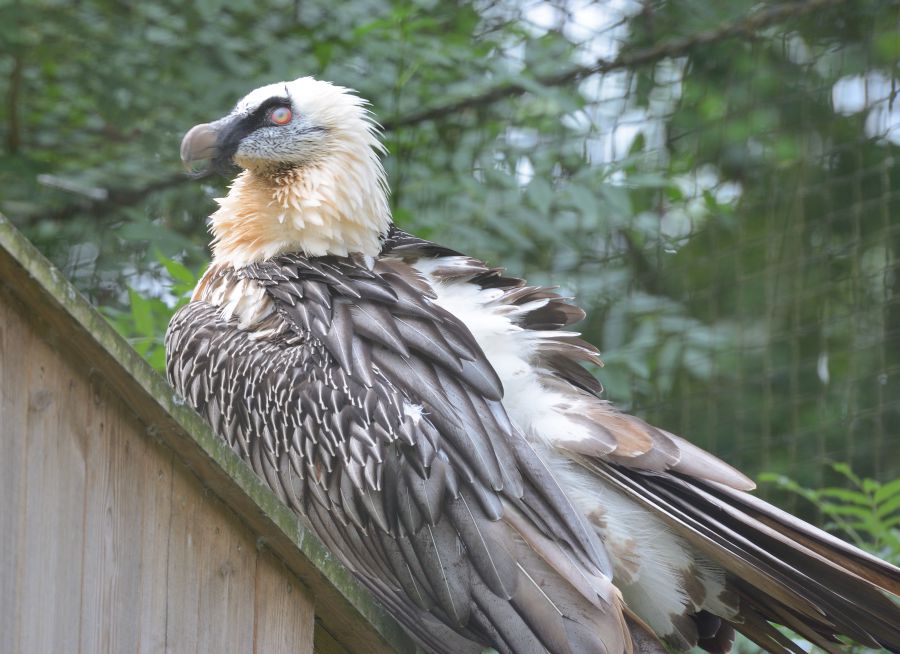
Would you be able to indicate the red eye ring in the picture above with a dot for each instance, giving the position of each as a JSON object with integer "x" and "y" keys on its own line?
{"x": 281, "y": 115}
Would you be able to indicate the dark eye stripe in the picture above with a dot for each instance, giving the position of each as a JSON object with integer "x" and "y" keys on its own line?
{"x": 260, "y": 115}
{"x": 242, "y": 126}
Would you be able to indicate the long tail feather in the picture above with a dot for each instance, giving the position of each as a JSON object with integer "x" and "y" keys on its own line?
{"x": 785, "y": 570}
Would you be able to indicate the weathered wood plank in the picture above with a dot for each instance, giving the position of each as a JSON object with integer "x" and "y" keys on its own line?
{"x": 154, "y": 554}
{"x": 109, "y": 579}
{"x": 13, "y": 416}
{"x": 50, "y": 560}
{"x": 127, "y": 510}
{"x": 212, "y": 569}
{"x": 57, "y": 314}
{"x": 285, "y": 617}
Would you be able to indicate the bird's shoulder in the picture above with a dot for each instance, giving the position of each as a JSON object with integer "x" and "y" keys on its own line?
{"x": 440, "y": 464}
{"x": 548, "y": 371}
{"x": 366, "y": 329}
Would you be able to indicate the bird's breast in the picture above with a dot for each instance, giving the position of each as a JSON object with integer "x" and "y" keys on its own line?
{"x": 239, "y": 298}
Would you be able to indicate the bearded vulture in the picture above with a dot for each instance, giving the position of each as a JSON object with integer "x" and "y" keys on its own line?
{"x": 428, "y": 418}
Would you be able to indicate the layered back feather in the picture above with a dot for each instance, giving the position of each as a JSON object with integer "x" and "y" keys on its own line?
{"x": 374, "y": 414}
{"x": 430, "y": 419}
{"x": 747, "y": 565}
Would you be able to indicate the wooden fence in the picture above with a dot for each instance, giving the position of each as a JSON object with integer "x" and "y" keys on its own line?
{"x": 125, "y": 525}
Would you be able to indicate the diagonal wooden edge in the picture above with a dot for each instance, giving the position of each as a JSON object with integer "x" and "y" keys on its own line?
{"x": 350, "y": 616}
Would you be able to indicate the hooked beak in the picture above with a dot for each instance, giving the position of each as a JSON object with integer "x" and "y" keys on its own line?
{"x": 200, "y": 143}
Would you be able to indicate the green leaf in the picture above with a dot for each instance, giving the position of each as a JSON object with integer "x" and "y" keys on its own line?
{"x": 141, "y": 314}
{"x": 888, "y": 507}
{"x": 842, "y": 510}
{"x": 177, "y": 270}
{"x": 540, "y": 194}
{"x": 887, "y": 491}
{"x": 853, "y": 497}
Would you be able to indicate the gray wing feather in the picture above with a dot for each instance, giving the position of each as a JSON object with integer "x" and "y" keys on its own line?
{"x": 780, "y": 577}
{"x": 488, "y": 545}
{"x": 416, "y": 505}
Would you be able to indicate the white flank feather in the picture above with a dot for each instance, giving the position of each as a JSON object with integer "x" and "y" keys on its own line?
{"x": 650, "y": 562}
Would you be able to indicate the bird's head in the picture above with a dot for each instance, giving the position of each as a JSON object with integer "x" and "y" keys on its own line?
{"x": 312, "y": 177}
{"x": 284, "y": 126}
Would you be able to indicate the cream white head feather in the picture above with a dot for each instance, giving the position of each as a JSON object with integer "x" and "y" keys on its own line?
{"x": 312, "y": 178}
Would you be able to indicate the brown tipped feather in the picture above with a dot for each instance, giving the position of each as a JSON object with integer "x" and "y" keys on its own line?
{"x": 642, "y": 636}
{"x": 776, "y": 567}
{"x": 811, "y": 585}
{"x": 860, "y": 563}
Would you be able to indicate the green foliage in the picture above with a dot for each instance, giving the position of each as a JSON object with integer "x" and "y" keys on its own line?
{"x": 144, "y": 322}
{"x": 725, "y": 216}
{"x": 867, "y": 512}
{"x": 864, "y": 511}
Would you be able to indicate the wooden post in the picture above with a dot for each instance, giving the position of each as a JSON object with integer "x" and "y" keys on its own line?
{"x": 125, "y": 524}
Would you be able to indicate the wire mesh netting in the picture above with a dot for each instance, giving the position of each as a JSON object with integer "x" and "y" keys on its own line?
{"x": 732, "y": 233}
{"x": 761, "y": 315}
{"x": 714, "y": 182}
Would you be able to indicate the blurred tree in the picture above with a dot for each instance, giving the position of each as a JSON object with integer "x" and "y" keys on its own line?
{"x": 714, "y": 181}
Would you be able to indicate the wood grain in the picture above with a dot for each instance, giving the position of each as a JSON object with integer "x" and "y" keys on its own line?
{"x": 13, "y": 416}
{"x": 127, "y": 517}
{"x": 285, "y": 618}
{"x": 93, "y": 547}
{"x": 109, "y": 544}
{"x": 48, "y": 556}
{"x": 210, "y": 609}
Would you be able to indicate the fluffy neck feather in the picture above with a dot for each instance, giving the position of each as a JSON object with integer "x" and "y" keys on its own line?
{"x": 337, "y": 207}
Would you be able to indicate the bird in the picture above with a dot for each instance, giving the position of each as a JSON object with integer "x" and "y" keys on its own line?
{"x": 429, "y": 418}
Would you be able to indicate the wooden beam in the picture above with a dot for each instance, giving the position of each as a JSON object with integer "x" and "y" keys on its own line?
{"x": 349, "y": 614}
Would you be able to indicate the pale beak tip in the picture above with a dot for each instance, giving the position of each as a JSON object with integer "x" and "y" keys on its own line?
{"x": 199, "y": 143}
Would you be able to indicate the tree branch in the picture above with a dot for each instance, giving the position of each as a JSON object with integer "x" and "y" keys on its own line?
{"x": 667, "y": 49}
{"x": 118, "y": 198}
{"x": 682, "y": 46}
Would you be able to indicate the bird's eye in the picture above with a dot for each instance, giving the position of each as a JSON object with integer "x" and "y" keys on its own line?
{"x": 281, "y": 115}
